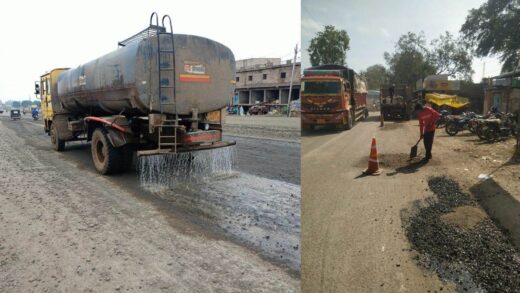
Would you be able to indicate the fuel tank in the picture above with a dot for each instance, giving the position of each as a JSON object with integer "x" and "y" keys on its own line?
{"x": 127, "y": 80}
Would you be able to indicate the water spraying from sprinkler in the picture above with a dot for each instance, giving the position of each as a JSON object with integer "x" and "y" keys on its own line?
{"x": 167, "y": 170}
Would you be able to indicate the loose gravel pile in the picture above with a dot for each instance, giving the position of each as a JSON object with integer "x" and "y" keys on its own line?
{"x": 478, "y": 258}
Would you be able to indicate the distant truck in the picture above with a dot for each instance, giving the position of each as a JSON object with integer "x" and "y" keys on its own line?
{"x": 396, "y": 101}
{"x": 332, "y": 95}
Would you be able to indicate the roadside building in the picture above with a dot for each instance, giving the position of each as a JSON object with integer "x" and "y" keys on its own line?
{"x": 266, "y": 81}
{"x": 503, "y": 91}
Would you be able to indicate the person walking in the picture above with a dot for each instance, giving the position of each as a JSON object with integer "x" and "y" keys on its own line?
{"x": 427, "y": 120}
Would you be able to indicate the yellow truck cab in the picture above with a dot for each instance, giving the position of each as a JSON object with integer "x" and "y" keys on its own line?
{"x": 47, "y": 89}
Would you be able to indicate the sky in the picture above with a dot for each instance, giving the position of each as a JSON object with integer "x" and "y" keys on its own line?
{"x": 38, "y": 36}
{"x": 375, "y": 26}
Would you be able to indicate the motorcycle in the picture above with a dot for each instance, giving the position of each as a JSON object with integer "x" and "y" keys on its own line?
{"x": 35, "y": 116}
{"x": 480, "y": 123}
{"x": 441, "y": 122}
{"x": 455, "y": 124}
{"x": 497, "y": 128}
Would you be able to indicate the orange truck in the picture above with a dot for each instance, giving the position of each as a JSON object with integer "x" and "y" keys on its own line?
{"x": 332, "y": 95}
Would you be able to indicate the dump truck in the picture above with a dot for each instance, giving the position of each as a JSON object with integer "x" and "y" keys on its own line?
{"x": 159, "y": 93}
{"x": 396, "y": 101}
{"x": 332, "y": 95}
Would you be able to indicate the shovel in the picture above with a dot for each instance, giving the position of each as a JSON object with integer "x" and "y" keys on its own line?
{"x": 413, "y": 150}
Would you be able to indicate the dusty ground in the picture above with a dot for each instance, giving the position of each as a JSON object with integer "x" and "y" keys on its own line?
{"x": 63, "y": 227}
{"x": 353, "y": 234}
{"x": 260, "y": 126}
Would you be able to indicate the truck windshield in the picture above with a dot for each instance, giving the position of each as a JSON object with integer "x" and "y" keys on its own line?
{"x": 321, "y": 87}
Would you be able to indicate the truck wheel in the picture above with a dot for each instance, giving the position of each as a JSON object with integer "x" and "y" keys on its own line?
{"x": 366, "y": 114}
{"x": 58, "y": 144}
{"x": 350, "y": 122}
{"x": 107, "y": 159}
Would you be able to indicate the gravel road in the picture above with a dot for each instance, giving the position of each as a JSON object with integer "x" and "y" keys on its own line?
{"x": 279, "y": 128}
{"x": 66, "y": 228}
{"x": 353, "y": 226}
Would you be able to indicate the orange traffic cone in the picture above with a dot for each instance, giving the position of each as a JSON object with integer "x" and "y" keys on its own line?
{"x": 373, "y": 162}
{"x": 382, "y": 120}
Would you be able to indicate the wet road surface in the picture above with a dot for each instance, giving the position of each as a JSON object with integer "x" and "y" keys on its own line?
{"x": 255, "y": 206}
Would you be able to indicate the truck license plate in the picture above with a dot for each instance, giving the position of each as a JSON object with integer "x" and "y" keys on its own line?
{"x": 321, "y": 121}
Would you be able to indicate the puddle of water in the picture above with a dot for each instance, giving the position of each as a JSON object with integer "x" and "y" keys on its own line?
{"x": 262, "y": 213}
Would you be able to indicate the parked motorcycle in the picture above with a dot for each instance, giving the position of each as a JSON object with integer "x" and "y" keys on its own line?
{"x": 441, "y": 122}
{"x": 481, "y": 125}
{"x": 505, "y": 126}
{"x": 455, "y": 124}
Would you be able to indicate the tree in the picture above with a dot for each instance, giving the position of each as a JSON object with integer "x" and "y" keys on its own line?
{"x": 494, "y": 29}
{"x": 410, "y": 61}
{"x": 413, "y": 60}
{"x": 451, "y": 57}
{"x": 26, "y": 103}
{"x": 329, "y": 47}
{"x": 36, "y": 103}
{"x": 375, "y": 75}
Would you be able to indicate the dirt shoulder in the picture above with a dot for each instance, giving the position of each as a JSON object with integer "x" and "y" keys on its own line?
{"x": 67, "y": 230}
{"x": 266, "y": 127}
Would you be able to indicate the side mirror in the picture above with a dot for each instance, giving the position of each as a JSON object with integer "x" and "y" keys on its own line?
{"x": 36, "y": 88}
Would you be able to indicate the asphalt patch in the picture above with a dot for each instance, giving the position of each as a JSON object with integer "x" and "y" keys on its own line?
{"x": 476, "y": 257}
{"x": 395, "y": 161}
{"x": 392, "y": 125}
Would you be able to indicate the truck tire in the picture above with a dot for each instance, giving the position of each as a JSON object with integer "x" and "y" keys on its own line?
{"x": 366, "y": 114}
{"x": 350, "y": 122}
{"x": 58, "y": 144}
{"x": 106, "y": 158}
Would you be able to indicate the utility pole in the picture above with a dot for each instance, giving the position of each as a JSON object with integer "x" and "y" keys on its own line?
{"x": 484, "y": 70}
{"x": 291, "y": 84}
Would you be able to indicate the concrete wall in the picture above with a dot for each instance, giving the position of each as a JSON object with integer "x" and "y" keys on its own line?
{"x": 273, "y": 76}
{"x": 257, "y": 62}
{"x": 508, "y": 99}
{"x": 267, "y": 84}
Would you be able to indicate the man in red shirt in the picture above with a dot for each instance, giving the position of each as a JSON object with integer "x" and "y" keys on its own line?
{"x": 427, "y": 119}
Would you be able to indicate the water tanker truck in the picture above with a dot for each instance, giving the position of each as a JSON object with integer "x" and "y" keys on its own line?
{"x": 332, "y": 95}
{"x": 158, "y": 93}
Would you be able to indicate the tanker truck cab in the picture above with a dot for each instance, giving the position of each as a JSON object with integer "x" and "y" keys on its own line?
{"x": 159, "y": 93}
{"x": 44, "y": 89}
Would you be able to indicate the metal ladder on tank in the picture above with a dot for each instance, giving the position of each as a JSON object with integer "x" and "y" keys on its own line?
{"x": 166, "y": 83}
